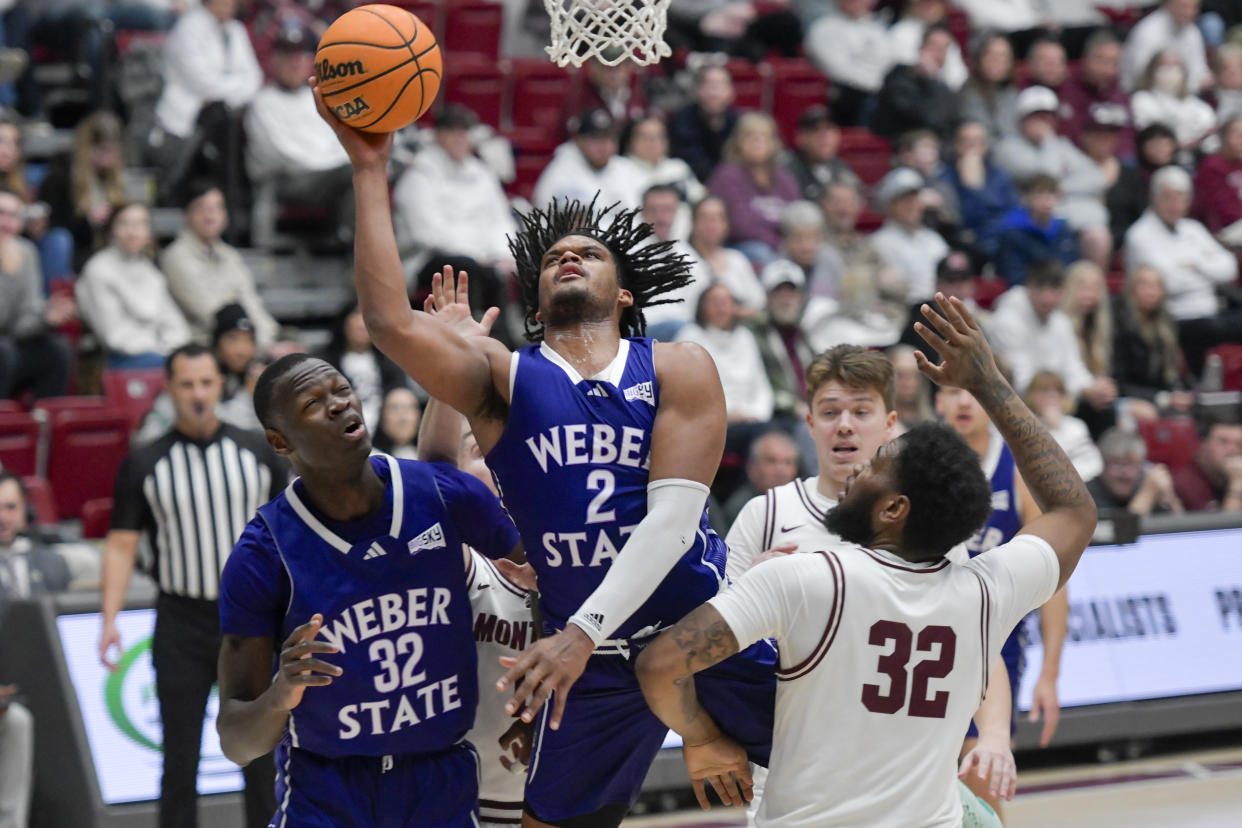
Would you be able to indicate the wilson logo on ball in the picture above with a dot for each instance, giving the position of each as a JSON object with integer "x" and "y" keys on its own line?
{"x": 331, "y": 71}
{"x": 351, "y": 109}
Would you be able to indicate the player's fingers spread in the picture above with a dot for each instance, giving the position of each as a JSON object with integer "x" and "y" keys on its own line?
{"x": 463, "y": 291}
{"x": 968, "y": 762}
{"x": 304, "y": 631}
{"x": 489, "y": 319}
{"x": 719, "y": 789}
{"x": 731, "y": 790}
{"x": 313, "y": 665}
{"x": 558, "y": 705}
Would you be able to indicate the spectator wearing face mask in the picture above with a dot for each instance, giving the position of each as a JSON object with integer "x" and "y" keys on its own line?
{"x": 1163, "y": 96}
{"x": 1172, "y": 26}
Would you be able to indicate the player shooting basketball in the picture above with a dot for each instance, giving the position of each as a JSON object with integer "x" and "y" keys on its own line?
{"x": 885, "y": 644}
{"x": 603, "y": 443}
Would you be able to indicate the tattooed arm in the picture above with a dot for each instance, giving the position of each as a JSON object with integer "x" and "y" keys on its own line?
{"x": 666, "y": 671}
{"x": 1069, "y": 514}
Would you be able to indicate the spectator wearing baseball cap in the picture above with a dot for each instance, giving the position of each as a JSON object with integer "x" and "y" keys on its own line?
{"x": 1038, "y": 149}
{"x": 904, "y": 241}
{"x": 588, "y": 163}
{"x": 955, "y": 277}
{"x": 292, "y": 156}
{"x": 813, "y": 159}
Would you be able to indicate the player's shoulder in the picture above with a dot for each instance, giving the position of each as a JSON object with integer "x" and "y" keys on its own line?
{"x": 1021, "y": 552}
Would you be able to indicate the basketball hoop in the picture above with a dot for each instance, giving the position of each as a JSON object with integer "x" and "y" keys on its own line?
{"x": 609, "y": 31}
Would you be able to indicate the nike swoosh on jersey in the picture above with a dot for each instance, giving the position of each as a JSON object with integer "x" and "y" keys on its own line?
{"x": 791, "y": 528}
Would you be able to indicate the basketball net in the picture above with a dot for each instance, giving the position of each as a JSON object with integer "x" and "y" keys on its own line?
{"x": 608, "y": 30}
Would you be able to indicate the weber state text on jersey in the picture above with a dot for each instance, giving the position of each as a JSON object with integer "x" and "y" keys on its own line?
{"x": 1006, "y": 518}
{"x": 391, "y": 588}
{"x": 573, "y": 466}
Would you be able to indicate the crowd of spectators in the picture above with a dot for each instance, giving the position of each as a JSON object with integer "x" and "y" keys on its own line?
{"x": 1074, "y": 177}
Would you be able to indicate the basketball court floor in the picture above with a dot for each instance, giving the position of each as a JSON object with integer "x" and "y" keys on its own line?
{"x": 1187, "y": 790}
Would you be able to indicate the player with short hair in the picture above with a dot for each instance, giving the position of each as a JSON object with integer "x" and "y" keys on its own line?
{"x": 357, "y": 567}
{"x": 1012, "y": 508}
{"x": 603, "y": 444}
{"x": 885, "y": 644}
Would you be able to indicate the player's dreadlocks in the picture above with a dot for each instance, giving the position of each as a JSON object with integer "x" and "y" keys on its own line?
{"x": 647, "y": 272}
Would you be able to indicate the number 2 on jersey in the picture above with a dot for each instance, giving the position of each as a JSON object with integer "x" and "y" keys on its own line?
{"x": 893, "y": 664}
{"x": 606, "y": 482}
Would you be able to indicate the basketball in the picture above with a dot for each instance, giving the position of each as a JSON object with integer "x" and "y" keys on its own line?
{"x": 378, "y": 67}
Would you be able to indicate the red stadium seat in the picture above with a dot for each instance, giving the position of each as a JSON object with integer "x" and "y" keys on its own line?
{"x": 10, "y": 407}
{"x": 133, "y": 392}
{"x": 750, "y": 84}
{"x": 477, "y": 84}
{"x": 427, "y": 11}
{"x": 1231, "y": 362}
{"x": 527, "y": 167}
{"x": 796, "y": 85}
{"x": 472, "y": 28}
{"x": 959, "y": 25}
{"x": 540, "y": 90}
{"x": 989, "y": 290}
{"x": 96, "y": 517}
{"x": 51, "y": 406}
{"x": 40, "y": 498}
{"x": 1172, "y": 441}
{"x": 85, "y": 450}
{"x": 868, "y": 154}
{"x": 869, "y": 221}
{"x": 19, "y": 443}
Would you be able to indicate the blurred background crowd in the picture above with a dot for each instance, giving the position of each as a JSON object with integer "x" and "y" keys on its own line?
{"x": 1071, "y": 170}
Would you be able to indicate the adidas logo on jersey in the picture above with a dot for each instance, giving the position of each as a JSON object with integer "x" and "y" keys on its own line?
{"x": 597, "y": 391}
{"x": 644, "y": 391}
{"x": 374, "y": 552}
{"x": 432, "y": 538}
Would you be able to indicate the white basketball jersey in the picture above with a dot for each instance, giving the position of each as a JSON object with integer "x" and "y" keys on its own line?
{"x": 793, "y": 513}
{"x": 882, "y": 665}
{"x": 502, "y": 627}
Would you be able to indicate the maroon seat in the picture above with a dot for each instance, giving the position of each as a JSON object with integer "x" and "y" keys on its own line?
{"x": 11, "y": 407}
{"x": 133, "y": 392}
{"x": 85, "y": 449}
{"x": 869, "y": 155}
{"x": 750, "y": 84}
{"x": 527, "y": 168}
{"x": 51, "y": 406}
{"x": 427, "y": 11}
{"x": 19, "y": 443}
{"x": 479, "y": 85}
{"x": 471, "y": 27}
{"x": 796, "y": 86}
{"x": 540, "y": 90}
{"x": 96, "y": 517}
{"x": 40, "y": 498}
{"x": 1172, "y": 441}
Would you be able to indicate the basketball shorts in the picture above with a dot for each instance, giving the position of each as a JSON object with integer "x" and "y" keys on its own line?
{"x": 439, "y": 790}
{"x": 975, "y": 812}
{"x": 1013, "y": 653}
{"x": 608, "y": 736}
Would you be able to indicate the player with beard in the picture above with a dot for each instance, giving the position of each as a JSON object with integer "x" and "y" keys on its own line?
{"x": 885, "y": 644}
{"x": 603, "y": 444}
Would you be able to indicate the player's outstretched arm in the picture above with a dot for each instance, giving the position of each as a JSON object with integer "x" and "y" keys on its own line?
{"x": 254, "y": 706}
{"x": 991, "y": 758}
{"x": 451, "y": 367}
{"x": 1069, "y": 513}
{"x": 666, "y": 671}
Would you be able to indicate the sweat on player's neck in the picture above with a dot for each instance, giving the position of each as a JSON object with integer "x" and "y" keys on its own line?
{"x": 589, "y": 346}
{"x": 351, "y": 495}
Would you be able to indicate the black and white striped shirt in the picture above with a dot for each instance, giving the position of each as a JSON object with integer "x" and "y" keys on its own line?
{"x": 192, "y": 498}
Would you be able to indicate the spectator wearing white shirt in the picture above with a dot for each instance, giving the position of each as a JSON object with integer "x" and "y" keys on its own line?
{"x": 732, "y": 346}
{"x": 910, "y": 247}
{"x": 1228, "y": 92}
{"x": 1190, "y": 261}
{"x": 589, "y": 163}
{"x": 1165, "y": 96}
{"x": 451, "y": 209}
{"x": 854, "y": 48}
{"x": 125, "y": 299}
{"x": 907, "y": 36}
{"x": 645, "y": 143}
{"x": 1170, "y": 27}
{"x": 1046, "y": 396}
{"x": 709, "y": 230}
{"x": 210, "y": 75}
{"x": 292, "y": 156}
{"x": 1030, "y": 331}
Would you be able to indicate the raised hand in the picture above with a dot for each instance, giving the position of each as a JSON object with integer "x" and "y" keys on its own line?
{"x": 299, "y": 668}
{"x": 449, "y": 302}
{"x": 548, "y": 667}
{"x": 967, "y": 359}
{"x": 365, "y": 149}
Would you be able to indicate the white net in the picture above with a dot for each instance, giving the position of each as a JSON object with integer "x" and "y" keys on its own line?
{"x": 608, "y": 30}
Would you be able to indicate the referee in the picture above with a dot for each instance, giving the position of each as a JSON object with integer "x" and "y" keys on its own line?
{"x": 191, "y": 492}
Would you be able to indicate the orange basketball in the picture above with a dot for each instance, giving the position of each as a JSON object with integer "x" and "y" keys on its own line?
{"x": 378, "y": 67}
